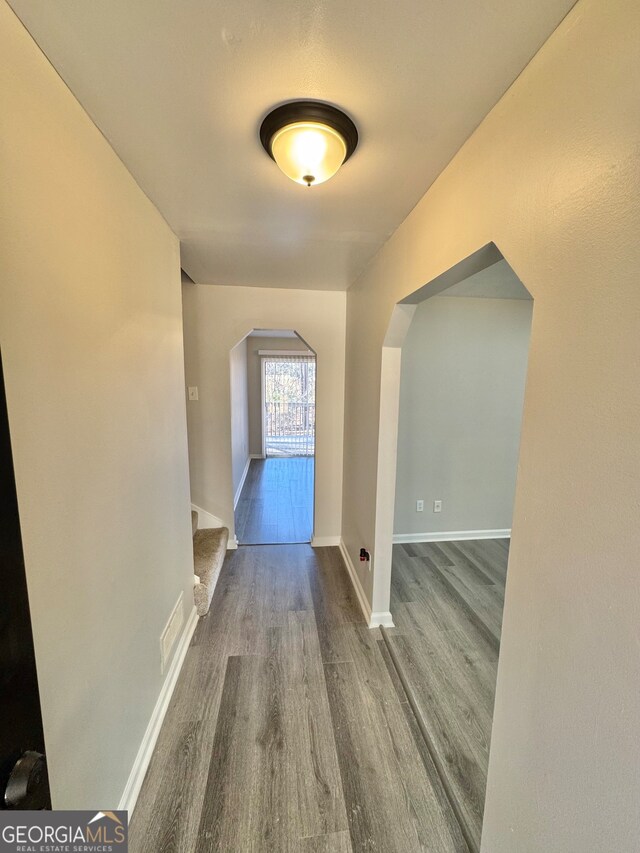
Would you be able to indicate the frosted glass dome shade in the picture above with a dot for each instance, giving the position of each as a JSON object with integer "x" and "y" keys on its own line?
{"x": 308, "y": 152}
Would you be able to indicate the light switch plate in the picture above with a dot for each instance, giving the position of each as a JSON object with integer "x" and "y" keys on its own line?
{"x": 193, "y": 392}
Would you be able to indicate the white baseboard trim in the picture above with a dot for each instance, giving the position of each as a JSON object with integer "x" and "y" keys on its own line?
{"x": 373, "y": 620}
{"x": 450, "y": 536}
{"x": 206, "y": 521}
{"x": 325, "y": 541}
{"x": 256, "y": 456}
{"x": 236, "y": 497}
{"x": 381, "y": 619}
{"x": 142, "y": 759}
{"x": 355, "y": 580}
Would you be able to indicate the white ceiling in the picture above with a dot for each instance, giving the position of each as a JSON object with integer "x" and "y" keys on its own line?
{"x": 495, "y": 282}
{"x": 179, "y": 88}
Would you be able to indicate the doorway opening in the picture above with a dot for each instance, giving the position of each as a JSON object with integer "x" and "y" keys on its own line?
{"x": 24, "y": 782}
{"x": 273, "y": 382}
{"x": 288, "y": 406}
{"x": 464, "y": 352}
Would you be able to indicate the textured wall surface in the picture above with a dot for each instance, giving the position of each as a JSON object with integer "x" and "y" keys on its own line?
{"x": 239, "y": 413}
{"x": 464, "y": 363}
{"x": 215, "y": 320}
{"x": 91, "y": 337}
{"x": 552, "y": 176}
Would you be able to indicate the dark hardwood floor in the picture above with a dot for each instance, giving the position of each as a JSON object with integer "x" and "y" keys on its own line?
{"x": 276, "y": 502}
{"x": 447, "y": 600}
{"x": 289, "y": 729}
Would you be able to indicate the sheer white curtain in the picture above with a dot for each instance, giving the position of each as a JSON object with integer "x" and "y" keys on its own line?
{"x": 289, "y": 405}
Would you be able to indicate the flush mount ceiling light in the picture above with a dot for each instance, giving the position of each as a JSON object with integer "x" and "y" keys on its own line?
{"x": 309, "y": 140}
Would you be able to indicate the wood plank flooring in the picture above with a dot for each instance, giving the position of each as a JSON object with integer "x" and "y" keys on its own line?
{"x": 289, "y": 729}
{"x": 276, "y": 502}
{"x": 447, "y": 600}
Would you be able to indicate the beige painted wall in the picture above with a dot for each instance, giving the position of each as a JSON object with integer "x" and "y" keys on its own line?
{"x": 91, "y": 338}
{"x": 464, "y": 363}
{"x": 215, "y": 319}
{"x": 254, "y": 382}
{"x": 552, "y": 175}
{"x": 239, "y": 414}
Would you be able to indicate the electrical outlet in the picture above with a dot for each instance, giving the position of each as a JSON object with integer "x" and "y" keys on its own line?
{"x": 419, "y": 506}
{"x": 193, "y": 392}
{"x": 437, "y": 506}
{"x": 365, "y": 557}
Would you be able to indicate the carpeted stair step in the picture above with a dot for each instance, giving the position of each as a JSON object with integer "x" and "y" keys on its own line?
{"x": 209, "y": 550}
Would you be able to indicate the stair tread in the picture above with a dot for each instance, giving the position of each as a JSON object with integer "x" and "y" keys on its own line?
{"x": 209, "y": 550}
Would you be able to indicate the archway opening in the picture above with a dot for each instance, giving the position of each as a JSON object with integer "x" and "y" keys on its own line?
{"x": 273, "y": 381}
{"x": 460, "y": 349}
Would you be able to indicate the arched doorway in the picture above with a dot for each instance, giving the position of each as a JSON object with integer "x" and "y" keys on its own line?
{"x": 453, "y": 375}
{"x": 273, "y": 399}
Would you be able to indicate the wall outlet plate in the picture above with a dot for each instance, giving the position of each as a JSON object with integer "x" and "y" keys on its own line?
{"x": 419, "y": 506}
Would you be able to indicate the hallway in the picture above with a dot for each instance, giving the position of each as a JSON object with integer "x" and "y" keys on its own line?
{"x": 287, "y": 730}
{"x": 276, "y": 502}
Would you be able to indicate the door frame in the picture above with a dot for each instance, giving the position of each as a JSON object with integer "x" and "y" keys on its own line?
{"x": 263, "y": 359}
{"x": 265, "y": 355}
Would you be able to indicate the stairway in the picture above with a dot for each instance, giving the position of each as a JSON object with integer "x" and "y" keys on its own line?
{"x": 209, "y": 549}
